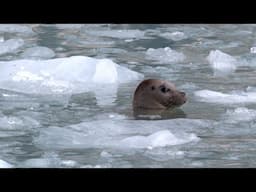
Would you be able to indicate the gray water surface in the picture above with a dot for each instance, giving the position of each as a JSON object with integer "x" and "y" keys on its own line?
{"x": 76, "y": 130}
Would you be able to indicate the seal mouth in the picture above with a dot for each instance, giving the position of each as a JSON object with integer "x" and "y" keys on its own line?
{"x": 178, "y": 101}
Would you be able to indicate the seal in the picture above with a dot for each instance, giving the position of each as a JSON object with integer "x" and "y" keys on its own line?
{"x": 157, "y": 94}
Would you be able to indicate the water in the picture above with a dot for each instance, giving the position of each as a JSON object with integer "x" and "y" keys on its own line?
{"x": 77, "y": 112}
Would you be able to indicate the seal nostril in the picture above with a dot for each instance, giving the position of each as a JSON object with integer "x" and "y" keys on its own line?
{"x": 182, "y": 93}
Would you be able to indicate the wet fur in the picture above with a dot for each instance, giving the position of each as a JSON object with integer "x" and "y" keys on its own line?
{"x": 157, "y": 94}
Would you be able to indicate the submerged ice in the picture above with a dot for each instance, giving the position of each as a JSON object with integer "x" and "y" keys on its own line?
{"x": 123, "y": 134}
{"x": 38, "y": 52}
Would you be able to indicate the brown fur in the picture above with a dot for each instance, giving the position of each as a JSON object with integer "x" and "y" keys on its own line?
{"x": 157, "y": 94}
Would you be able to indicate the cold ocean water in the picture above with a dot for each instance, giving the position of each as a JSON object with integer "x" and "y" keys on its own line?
{"x": 66, "y": 95}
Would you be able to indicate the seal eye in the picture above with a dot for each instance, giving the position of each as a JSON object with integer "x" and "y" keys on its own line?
{"x": 163, "y": 89}
{"x": 153, "y": 88}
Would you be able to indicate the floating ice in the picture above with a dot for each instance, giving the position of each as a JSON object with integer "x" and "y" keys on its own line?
{"x": 15, "y": 28}
{"x": 175, "y": 36}
{"x": 4, "y": 164}
{"x": 163, "y": 154}
{"x": 253, "y": 50}
{"x": 120, "y": 34}
{"x": 222, "y": 62}
{"x": 124, "y": 134}
{"x": 164, "y": 55}
{"x": 240, "y": 114}
{"x": 62, "y": 75}
{"x": 16, "y": 126}
{"x": 45, "y": 162}
{"x": 38, "y": 53}
{"x": 10, "y": 45}
{"x": 218, "y": 97}
{"x": 159, "y": 139}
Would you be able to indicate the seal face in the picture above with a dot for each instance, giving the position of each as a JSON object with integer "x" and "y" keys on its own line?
{"x": 157, "y": 94}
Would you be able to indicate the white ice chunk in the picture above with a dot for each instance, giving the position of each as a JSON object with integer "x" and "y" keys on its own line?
{"x": 4, "y": 164}
{"x": 240, "y": 114}
{"x": 222, "y": 62}
{"x": 105, "y": 72}
{"x": 165, "y": 55}
{"x": 253, "y": 50}
{"x": 175, "y": 36}
{"x": 10, "y": 45}
{"x": 159, "y": 139}
{"x": 63, "y": 75}
{"x": 218, "y": 97}
{"x": 38, "y": 53}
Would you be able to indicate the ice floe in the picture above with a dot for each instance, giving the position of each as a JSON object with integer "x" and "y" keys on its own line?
{"x": 221, "y": 62}
{"x": 240, "y": 114}
{"x": 62, "y": 75}
{"x": 159, "y": 139}
{"x": 219, "y": 97}
{"x": 38, "y": 52}
{"x": 253, "y": 50}
{"x": 48, "y": 159}
{"x": 165, "y": 55}
{"x": 175, "y": 36}
{"x": 4, "y": 164}
{"x": 16, "y": 28}
{"x": 16, "y": 126}
{"x": 10, "y": 45}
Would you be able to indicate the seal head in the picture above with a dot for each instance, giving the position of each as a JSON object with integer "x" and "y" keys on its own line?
{"x": 157, "y": 94}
